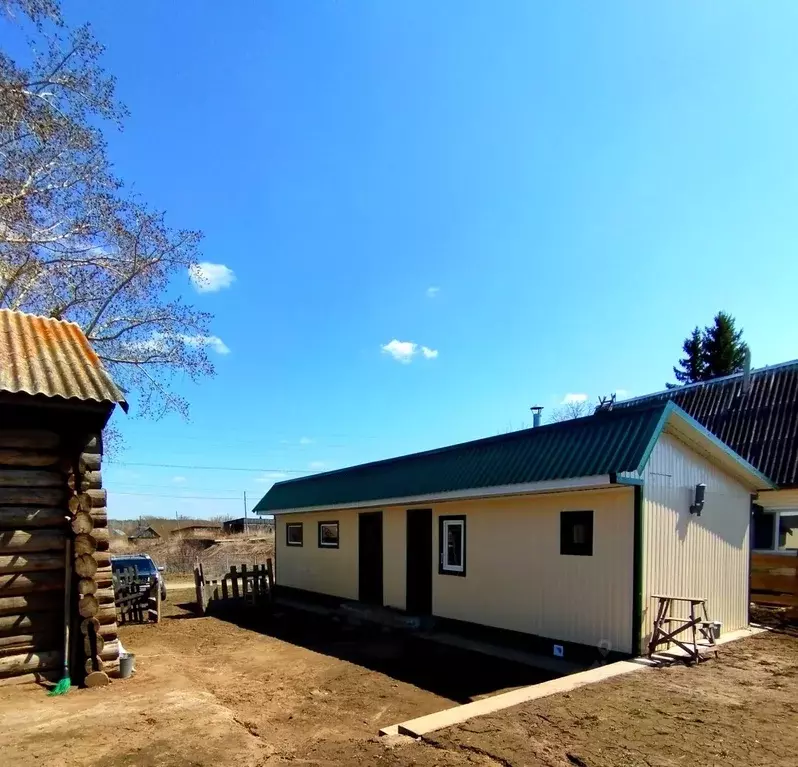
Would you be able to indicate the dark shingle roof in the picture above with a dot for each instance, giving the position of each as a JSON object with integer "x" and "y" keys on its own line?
{"x": 613, "y": 442}
{"x": 760, "y": 424}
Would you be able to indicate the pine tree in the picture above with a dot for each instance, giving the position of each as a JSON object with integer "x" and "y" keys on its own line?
{"x": 716, "y": 351}
{"x": 724, "y": 349}
{"x": 693, "y": 364}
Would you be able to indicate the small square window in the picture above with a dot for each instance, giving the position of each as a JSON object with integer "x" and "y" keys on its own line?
{"x": 328, "y": 535}
{"x": 293, "y": 534}
{"x": 452, "y": 539}
{"x": 576, "y": 533}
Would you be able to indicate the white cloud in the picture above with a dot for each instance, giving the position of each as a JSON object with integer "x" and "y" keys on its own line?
{"x": 210, "y": 278}
{"x": 305, "y": 441}
{"x": 404, "y": 351}
{"x": 214, "y": 342}
{"x": 401, "y": 351}
{"x": 317, "y": 465}
{"x": 571, "y": 399}
{"x": 622, "y": 393}
{"x": 179, "y": 480}
{"x": 271, "y": 476}
{"x": 433, "y": 291}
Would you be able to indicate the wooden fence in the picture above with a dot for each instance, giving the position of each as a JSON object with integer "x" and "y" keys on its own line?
{"x": 137, "y": 600}
{"x": 774, "y": 580}
{"x": 247, "y": 585}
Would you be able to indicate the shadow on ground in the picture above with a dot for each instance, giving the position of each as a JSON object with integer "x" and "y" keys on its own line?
{"x": 459, "y": 675}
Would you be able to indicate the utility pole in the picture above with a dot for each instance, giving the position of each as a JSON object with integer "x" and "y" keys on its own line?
{"x": 245, "y": 511}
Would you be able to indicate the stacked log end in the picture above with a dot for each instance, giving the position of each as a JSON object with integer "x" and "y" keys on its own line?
{"x": 33, "y": 534}
{"x": 51, "y": 491}
{"x": 99, "y": 646}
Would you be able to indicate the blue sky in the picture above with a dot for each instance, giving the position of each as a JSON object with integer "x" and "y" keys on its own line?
{"x": 578, "y": 183}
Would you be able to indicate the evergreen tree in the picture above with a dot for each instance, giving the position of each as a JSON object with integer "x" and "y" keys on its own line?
{"x": 693, "y": 364}
{"x": 716, "y": 351}
{"x": 724, "y": 348}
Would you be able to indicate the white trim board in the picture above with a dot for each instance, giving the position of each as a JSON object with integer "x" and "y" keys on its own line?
{"x": 598, "y": 482}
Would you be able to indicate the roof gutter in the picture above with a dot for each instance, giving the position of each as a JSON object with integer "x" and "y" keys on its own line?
{"x": 527, "y": 488}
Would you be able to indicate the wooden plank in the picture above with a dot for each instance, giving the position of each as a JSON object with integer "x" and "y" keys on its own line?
{"x": 21, "y": 517}
{"x": 18, "y": 584}
{"x": 784, "y": 600}
{"x": 30, "y": 478}
{"x": 234, "y": 580}
{"x": 784, "y": 583}
{"x": 244, "y": 584}
{"x": 224, "y": 587}
{"x": 771, "y": 561}
{"x": 39, "y": 496}
{"x": 27, "y": 662}
{"x": 15, "y": 606}
{"x": 29, "y": 563}
{"x": 36, "y": 439}
{"x": 17, "y": 457}
{"x": 23, "y": 541}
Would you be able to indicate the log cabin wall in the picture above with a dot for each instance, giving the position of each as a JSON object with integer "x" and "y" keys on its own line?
{"x": 52, "y": 504}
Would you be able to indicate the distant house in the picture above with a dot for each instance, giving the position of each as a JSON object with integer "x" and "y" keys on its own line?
{"x": 248, "y": 525}
{"x": 144, "y": 533}
{"x": 196, "y": 531}
{"x": 756, "y": 415}
{"x": 563, "y": 533}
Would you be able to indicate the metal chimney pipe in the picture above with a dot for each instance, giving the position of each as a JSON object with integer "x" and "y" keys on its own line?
{"x": 536, "y": 415}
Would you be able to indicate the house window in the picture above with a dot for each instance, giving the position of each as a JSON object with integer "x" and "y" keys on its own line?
{"x": 776, "y": 530}
{"x": 293, "y": 534}
{"x": 576, "y": 533}
{"x": 452, "y": 537}
{"x": 328, "y": 535}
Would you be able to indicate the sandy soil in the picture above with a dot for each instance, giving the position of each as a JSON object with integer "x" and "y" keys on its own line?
{"x": 211, "y": 692}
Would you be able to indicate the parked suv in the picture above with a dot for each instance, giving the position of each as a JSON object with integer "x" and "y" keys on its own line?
{"x": 144, "y": 567}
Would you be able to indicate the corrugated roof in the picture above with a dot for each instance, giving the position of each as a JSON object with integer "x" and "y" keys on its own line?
{"x": 40, "y": 355}
{"x": 601, "y": 444}
{"x": 759, "y": 422}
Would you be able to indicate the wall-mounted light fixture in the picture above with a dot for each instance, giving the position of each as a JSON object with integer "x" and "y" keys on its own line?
{"x": 698, "y": 504}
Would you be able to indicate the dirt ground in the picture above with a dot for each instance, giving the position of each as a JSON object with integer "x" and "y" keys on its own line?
{"x": 211, "y": 692}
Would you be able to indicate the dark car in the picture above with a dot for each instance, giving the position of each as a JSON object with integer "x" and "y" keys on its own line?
{"x": 144, "y": 567}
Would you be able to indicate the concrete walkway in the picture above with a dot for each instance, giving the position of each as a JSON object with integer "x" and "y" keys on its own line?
{"x": 450, "y": 716}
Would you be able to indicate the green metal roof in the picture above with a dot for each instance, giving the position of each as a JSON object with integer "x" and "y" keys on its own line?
{"x": 608, "y": 442}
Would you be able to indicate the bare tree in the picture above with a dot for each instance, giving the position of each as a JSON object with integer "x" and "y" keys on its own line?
{"x": 73, "y": 245}
{"x": 570, "y": 410}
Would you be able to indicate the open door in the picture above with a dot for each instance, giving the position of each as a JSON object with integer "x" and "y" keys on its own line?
{"x": 370, "y": 557}
{"x": 419, "y": 562}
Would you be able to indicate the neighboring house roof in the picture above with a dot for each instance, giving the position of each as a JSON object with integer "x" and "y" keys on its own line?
{"x": 145, "y": 532}
{"x": 183, "y": 528}
{"x": 39, "y": 355}
{"x": 584, "y": 452}
{"x": 248, "y": 520}
{"x": 759, "y": 421}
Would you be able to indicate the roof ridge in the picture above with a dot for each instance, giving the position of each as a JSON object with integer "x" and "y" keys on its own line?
{"x": 571, "y": 423}
{"x": 710, "y": 382}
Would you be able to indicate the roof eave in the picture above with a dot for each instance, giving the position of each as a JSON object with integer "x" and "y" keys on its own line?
{"x": 597, "y": 482}
{"x": 688, "y": 429}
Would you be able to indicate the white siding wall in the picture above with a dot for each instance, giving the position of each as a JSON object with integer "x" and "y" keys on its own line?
{"x": 517, "y": 579}
{"x": 686, "y": 555}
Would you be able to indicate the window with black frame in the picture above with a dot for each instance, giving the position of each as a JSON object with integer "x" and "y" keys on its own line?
{"x": 576, "y": 533}
{"x": 293, "y": 534}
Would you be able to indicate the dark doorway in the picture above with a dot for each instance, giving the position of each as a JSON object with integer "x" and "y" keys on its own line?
{"x": 419, "y": 561}
{"x": 370, "y": 558}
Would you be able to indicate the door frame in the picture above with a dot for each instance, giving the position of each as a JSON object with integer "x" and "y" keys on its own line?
{"x": 374, "y": 515}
